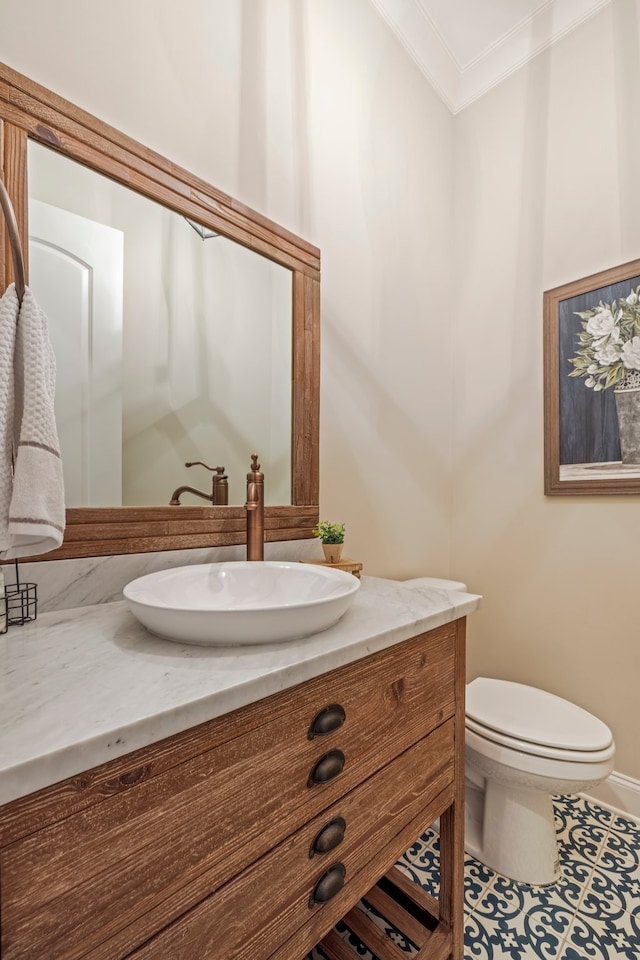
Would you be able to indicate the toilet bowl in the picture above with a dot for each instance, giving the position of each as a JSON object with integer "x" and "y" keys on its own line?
{"x": 522, "y": 746}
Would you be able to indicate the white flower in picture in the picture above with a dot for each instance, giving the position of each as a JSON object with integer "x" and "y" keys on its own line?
{"x": 631, "y": 354}
{"x": 601, "y": 324}
{"x": 608, "y": 354}
{"x": 608, "y": 345}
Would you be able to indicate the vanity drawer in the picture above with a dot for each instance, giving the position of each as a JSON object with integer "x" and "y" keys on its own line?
{"x": 245, "y": 920}
{"x": 131, "y": 863}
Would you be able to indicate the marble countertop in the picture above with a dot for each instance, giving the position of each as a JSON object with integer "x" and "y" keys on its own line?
{"x": 80, "y": 687}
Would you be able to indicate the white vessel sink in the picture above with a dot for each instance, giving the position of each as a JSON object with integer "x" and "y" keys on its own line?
{"x": 226, "y": 604}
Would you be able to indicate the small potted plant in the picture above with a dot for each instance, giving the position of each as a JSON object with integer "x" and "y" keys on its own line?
{"x": 332, "y": 538}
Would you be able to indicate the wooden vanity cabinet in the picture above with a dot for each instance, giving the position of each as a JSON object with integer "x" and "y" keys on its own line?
{"x": 220, "y": 843}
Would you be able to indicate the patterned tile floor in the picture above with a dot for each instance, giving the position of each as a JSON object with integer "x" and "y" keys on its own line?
{"x": 591, "y": 913}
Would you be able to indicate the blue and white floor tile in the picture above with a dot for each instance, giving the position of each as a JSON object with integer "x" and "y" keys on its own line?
{"x": 591, "y": 913}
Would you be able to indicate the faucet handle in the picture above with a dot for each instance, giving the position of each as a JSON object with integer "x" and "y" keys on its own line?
{"x": 199, "y": 463}
{"x": 255, "y": 474}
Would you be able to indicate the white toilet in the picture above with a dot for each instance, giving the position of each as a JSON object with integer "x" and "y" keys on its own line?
{"x": 522, "y": 746}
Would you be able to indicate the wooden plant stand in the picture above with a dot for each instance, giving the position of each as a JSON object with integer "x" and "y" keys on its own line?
{"x": 350, "y": 566}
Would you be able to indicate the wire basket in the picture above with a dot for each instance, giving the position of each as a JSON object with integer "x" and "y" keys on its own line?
{"x": 19, "y": 603}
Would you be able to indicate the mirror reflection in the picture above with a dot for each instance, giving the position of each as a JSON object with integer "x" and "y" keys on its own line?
{"x": 173, "y": 343}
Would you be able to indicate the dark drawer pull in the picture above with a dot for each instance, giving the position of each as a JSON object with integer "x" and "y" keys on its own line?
{"x": 328, "y": 885}
{"x": 327, "y": 768}
{"x": 327, "y": 721}
{"x": 329, "y": 837}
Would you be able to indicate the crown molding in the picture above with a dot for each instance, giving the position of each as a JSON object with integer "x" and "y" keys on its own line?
{"x": 418, "y": 35}
{"x": 458, "y": 85}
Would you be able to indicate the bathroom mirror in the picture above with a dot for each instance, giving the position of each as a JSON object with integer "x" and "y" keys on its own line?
{"x": 271, "y": 264}
{"x": 172, "y": 342}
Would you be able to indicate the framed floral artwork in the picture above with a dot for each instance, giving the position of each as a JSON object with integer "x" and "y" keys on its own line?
{"x": 592, "y": 384}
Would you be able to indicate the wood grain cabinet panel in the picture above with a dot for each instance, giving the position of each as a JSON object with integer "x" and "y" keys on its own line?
{"x": 193, "y": 823}
{"x": 245, "y": 921}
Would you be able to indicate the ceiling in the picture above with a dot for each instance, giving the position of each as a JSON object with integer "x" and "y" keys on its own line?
{"x": 465, "y": 47}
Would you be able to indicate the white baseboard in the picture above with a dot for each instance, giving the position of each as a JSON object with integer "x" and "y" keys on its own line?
{"x": 618, "y": 793}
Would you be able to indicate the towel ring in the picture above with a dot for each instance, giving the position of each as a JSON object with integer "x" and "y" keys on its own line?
{"x": 14, "y": 240}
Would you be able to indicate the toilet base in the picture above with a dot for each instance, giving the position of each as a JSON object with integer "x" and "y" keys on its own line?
{"x": 512, "y": 831}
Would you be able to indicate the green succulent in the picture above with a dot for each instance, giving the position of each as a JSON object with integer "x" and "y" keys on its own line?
{"x": 329, "y": 532}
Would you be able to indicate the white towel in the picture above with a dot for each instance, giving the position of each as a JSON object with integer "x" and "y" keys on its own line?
{"x": 36, "y": 511}
{"x": 9, "y": 307}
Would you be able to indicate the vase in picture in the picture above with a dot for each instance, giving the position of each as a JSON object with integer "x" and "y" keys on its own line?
{"x": 627, "y": 396}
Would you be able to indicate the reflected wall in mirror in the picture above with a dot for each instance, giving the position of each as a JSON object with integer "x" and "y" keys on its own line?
{"x": 183, "y": 387}
{"x": 173, "y": 343}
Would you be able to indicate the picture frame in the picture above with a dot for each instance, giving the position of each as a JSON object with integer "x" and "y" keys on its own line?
{"x": 591, "y": 384}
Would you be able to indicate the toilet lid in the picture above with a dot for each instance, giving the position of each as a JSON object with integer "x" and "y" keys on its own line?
{"x": 535, "y": 716}
{"x": 537, "y": 749}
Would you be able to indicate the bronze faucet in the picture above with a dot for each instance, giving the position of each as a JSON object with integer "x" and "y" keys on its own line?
{"x": 219, "y": 495}
{"x": 255, "y": 511}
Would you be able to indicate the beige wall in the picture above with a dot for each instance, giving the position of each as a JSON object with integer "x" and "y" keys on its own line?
{"x": 312, "y": 113}
{"x": 547, "y": 191}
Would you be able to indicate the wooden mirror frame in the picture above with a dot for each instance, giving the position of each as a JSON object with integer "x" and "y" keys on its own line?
{"x": 28, "y": 110}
